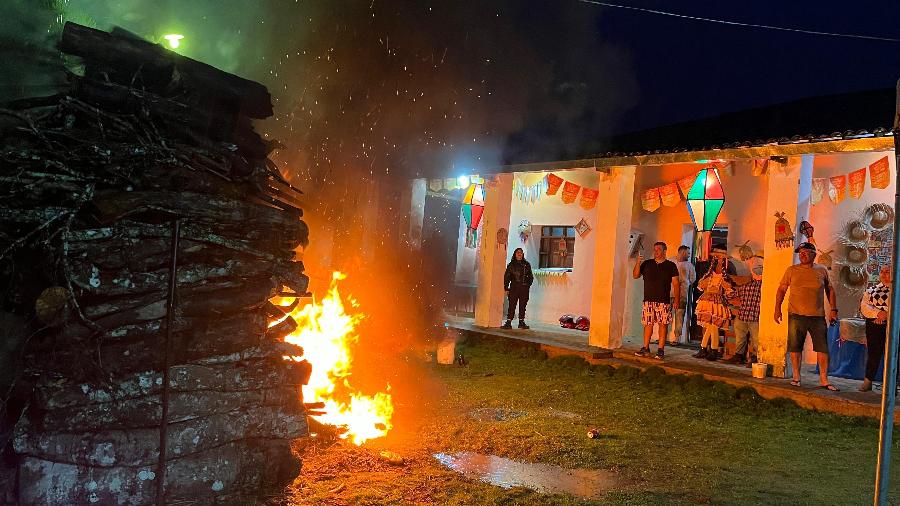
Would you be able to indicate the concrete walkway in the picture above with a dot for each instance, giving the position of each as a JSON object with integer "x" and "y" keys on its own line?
{"x": 558, "y": 341}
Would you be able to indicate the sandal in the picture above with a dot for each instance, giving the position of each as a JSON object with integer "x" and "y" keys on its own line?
{"x": 795, "y": 383}
{"x": 830, "y": 387}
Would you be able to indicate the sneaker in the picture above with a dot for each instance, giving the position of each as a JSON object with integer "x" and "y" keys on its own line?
{"x": 643, "y": 352}
{"x": 713, "y": 355}
{"x": 507, "y": 325}
{"x": 701, "y": 354}
{"x": 522, "y": 325}
{"x": 660, "y": 354}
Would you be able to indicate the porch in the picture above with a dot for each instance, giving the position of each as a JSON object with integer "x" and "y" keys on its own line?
{"x": 558, "y": 341}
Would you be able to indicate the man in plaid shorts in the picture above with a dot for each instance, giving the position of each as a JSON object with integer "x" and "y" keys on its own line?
{"x": 660, "y": 286}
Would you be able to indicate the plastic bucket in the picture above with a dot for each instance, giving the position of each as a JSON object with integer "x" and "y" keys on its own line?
{"x": 760, "y": 369}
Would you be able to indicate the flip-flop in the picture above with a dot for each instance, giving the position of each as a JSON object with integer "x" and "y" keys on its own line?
{"x": 830, "y": 387}
{"x": 795, "y": 383}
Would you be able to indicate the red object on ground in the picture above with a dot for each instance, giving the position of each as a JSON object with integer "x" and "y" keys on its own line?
{"x": 583, "y": 323}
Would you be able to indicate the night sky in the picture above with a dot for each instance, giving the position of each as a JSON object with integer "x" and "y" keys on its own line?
{"x": 414, "y": 87}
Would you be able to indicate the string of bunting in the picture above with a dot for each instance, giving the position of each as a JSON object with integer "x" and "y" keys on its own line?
{"x": 668, "y": 194}
{"x": 570, "y": 191}
{"x": 532, "y": 193}
{"x": 853, "y": 183}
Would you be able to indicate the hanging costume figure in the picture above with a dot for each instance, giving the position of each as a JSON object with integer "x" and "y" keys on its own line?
{"x": 712, "y": 307}
{"x": 517, "y": 281}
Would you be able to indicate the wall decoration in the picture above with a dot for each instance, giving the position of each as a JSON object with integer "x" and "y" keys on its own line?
{"x": 807, "y": 230}
{"x": 879, "y": 251}
{"x": 650, "y": 199}
{"x": 553, "y": 183}
{"x": 582, "y": 228}
{"x": 524, "y": 230}
{"x": 857, "y": 182}
{"x": 684, "y": 184}
{"x": 855, "y": 232}
{"x": 759, "y": 167}
{"x": 472, "y": 210}
{"x": 837, "y": 188}
{"x": 570, "y": 192}
{"x": 880, "y": 174}
{"x": 588, "y": 198}
{"x": 818, "y": 190}
{"x": 502, "y": 238}
{"x": 531, "y": 193}
{"x": 745, "y": 252}
{"x": 635, "y": 242}
{"x": 856, "y": 255}
{"x": 853, "y": 279}
{"x": 825, "y": 258}
{"x": 784, "y": 234}
{"x": 669, "y": 194}
{"x": 879, "y": 216}
{"x": 705, "y": 199}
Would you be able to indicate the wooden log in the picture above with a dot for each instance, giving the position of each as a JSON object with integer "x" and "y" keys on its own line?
{"x": 215, "y": 298}
{"x": 97, "y": 282}
{"x": 140, "y": 447}
{"x": 54, "y": 391}
{"x": 234, "y": 473}
{"x": 163, "y": 68}
{"x": 145, "y": 412}
{"x": 204, "y": 208}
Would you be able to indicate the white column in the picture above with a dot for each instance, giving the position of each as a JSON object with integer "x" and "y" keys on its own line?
{"x": 611, "y": 263}
{"x": 492, "y": 257}
{"x": 414, "y": 202}
{"x": 789, "y": 190}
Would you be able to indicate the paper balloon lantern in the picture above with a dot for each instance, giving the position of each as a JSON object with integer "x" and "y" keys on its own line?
{"x": 705, "y": 199}
{"x": 473, "y": 209}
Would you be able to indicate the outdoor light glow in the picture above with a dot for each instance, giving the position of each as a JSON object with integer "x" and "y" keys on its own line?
{"x": 463, "y": 181}
{"x": 174, "y": 39}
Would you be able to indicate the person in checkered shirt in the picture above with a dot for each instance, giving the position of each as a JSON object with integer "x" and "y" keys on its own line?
{"x": 747, "y": 322}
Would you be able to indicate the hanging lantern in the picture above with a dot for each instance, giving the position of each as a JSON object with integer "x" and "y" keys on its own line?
{"x": 705, "y": 199}
{"x": 473, "y": 209}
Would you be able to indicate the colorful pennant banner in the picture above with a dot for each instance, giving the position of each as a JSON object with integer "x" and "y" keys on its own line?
{"x": 837, "y": 188}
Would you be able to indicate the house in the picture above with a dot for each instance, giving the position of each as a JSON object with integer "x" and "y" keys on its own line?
{"x": 767, "y": 162}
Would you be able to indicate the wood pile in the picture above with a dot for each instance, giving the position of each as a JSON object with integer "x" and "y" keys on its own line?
{"x": 146, "y": 162}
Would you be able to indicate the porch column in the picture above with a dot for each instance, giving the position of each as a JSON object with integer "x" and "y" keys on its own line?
{"x": 491, "y": 260}
{"x": 789, "y": 189}
{"x": 611, "y": 263}
{"x": 413, "y": 201}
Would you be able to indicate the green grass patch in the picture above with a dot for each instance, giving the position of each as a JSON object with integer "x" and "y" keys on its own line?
{"x": 672, "y": 439}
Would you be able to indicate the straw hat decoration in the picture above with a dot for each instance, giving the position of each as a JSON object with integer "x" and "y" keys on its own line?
{"x": 856, "y": 232}
{"x": 745, "y": 252}
{"x": 879, "y": 216}
{"x": 853, "y": 278}
{"x": 825, "y": 259}
{"x": 856, "y": 255}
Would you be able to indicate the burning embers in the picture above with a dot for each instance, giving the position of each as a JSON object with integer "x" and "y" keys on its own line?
{"x": 327, "y": 334}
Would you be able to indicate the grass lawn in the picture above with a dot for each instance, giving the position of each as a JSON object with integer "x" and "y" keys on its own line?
{"x": 671, "y": 439}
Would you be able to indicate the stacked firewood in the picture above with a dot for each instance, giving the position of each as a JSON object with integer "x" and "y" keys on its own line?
{"x": 145, "y": 166}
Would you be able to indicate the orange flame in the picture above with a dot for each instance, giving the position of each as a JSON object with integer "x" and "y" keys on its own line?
{"x": 327, "y": 334}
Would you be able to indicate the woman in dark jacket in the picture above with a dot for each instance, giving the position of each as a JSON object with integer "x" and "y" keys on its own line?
{"x": 517, "y": 281}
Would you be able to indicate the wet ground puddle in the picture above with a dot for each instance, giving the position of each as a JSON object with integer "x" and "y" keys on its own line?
{"x": 546, "y": 478}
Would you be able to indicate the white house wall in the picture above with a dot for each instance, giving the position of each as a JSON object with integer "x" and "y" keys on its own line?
{"x": 829, "y": 218}
{"x": 552, "y": 297}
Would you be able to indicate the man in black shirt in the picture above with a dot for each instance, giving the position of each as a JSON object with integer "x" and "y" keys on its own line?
{"x": 660, "y": 286}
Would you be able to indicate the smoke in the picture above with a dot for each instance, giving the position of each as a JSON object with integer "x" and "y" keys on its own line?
{"x": 30, "y": 65}
{"x": 369, "y": 94}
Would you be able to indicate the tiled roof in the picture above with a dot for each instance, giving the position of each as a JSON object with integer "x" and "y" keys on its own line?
{"x": 846, "y": 116}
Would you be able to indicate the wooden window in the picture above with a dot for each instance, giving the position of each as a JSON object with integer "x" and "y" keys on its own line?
{"x": 557, "y": 247}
